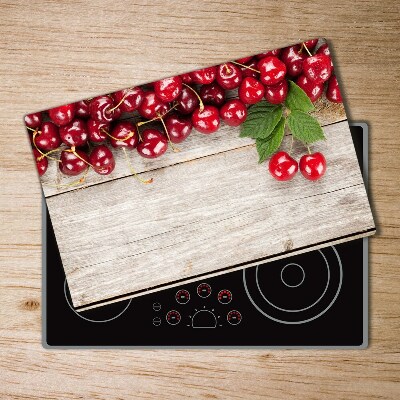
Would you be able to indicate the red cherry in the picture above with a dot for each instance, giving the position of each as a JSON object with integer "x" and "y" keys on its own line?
{"x": 272, "y": 70}
{"x": 187, "y": 102}
{"x": 233, "y": 112}
{"x": 204, "y": 76}
{"x": 71, "y": 164}
{"x": 131, "y": 98}
{"x": 102, "y": 160}
{"x": 75, "y": 133}
{"x": 229, "y": 76}
{"x": 293, "y": 60}
{"x": 100, "y": 109}
{"x": 96, "y": 130}
{"x": 244, "y": 60}
{"x": 313, "y": 89}
{"x": 282, "y": 167}
{"x": 62, "y": 115}
{"x": 206, "y": 121}
{"x": 333, "y": 91}
{"x": 124, "y": 134}
{"x": 41, "y": 162}
{"x": 178, "y": 127}
{"x": 168, "y": 89}
{"x": 324, "y": 49}
{"x": 274, "y": 53}
{"x": 82, "y": 109}
{"x": 186, "y": 78}
{"x": 212, "y": 94}
{"x": 317, "y": 68}
{"x": 313, "y": 166}
{"x": 311, "y": 44}
{"x": 154, "y": 144}
{"x": 152, "y": 106}
{"x": 48, "y": 137}
{"x": 34, "y": 120}
{"x": 276, "y": 94}
{"x": 251, "y": 90}
{"x": 250, "y": 72}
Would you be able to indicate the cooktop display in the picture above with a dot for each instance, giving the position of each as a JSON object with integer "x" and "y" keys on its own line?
{"x": 316, "y": 299}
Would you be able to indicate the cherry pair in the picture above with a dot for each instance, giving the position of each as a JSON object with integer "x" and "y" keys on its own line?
{"x": 283, "y": 167}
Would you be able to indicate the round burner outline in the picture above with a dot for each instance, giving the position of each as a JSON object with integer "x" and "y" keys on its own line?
{"x": 307, "y": 319}
{"x": 302, "y": 270}
{"x": 89, "y": 319}
{"x": 300, "y": 309}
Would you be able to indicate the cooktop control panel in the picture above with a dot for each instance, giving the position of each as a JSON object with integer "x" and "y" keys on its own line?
{"x": 206, "y": 307}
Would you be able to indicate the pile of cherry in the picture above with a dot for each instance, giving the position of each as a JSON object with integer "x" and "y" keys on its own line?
{"x": 77, "y": 135}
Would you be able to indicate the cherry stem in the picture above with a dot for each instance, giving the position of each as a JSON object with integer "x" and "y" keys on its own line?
{"x": 135, "y": 174}
{"x": 245, "y": 66}
{"x": 201, "y": 104}
{"x": 120, "y": 102}
{"x": 159, "y": 116}
{"x": 49, "y": 152}
{"x": 73, "y": 151}
{"x": 174, "y": 148}
{"x": 308, "y": 51}
{"x": 291, "y": 145}
{"x": 130, "y": 134}
{"x": 308, "y": 149}
{"x": 40, "y": 151}
{"x": 228, "y": 70}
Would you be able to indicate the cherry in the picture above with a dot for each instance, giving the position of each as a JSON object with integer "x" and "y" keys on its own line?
{"x": 102, "y": 160}
{"x": 250, "y": 72}
{"x": 41, "y": 162}
{"x": 82, "y": 109}
{"x": 48, "y": 137}
{"x": 313, "y": 89}
{"x": 233, "y": 112}
{"x": 75, "y": 134}
{"x": 324, "y": 49}
{"x": 96, "y": 130}
{"x": 244, "y": 60}
{"x": 168, "y": 89}
{"x": 154, "y": 144}
{"x": 276, "y": 94}
{"x": 272, "y": 70}
{"x": 204, "y": 76}
{"x": 186, "y": 78}
{"x": 293, "y": 59}
{"x": 124, "y": 134}
{"x": 152, "y": 106}
{"x": 333, "y": 91}
{"x": 251, "y": 90}
{"x": 34, "y": 120}
{"x": 178, "y": 127}
{"x": 187, "y": 102}
{"x": 62, "y": 115}
{"x": 310, "y": 44}
{"x": 71, "y": 163}
{"x": 129, "y": 99}
{"x": 317, "y": 68}
{"x": 282, "y": 167}
{"x": 313, "y": 166}
{"x": 212, "y": 94}
{"x": 274, "y": 53}
{"x": 229, "y": 76}
{"x": 206, "y": 121}
{"x": 102, "y": 109}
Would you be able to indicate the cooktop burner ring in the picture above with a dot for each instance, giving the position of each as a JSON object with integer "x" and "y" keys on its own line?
{"x": 284, "y": 281}
{"x": 302, "y": 315}
{"x": 90, "y": 319}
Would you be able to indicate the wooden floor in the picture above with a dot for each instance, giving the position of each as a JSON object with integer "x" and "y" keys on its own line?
{"x": 55, "y": 52}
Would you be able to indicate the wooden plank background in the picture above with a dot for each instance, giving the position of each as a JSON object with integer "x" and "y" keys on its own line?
{"x": 53, "y": 52}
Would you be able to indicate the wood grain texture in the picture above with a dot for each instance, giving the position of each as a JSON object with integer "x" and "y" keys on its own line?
{"x": 50, "y": 56}
{"x": 227, "y": 212}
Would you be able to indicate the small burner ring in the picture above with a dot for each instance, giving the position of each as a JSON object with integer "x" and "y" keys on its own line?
{"x": 296, "y": 267}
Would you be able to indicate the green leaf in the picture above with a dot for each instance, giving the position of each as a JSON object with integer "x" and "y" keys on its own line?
{"x": 261, "y": 124}
{"x": 297, "y": 99}
{"x": 267, "y": 147}
{"x": 304, "y": 127}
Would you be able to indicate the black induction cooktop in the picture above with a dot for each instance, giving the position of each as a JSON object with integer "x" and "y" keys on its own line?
{"x": 316, "y": 299}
